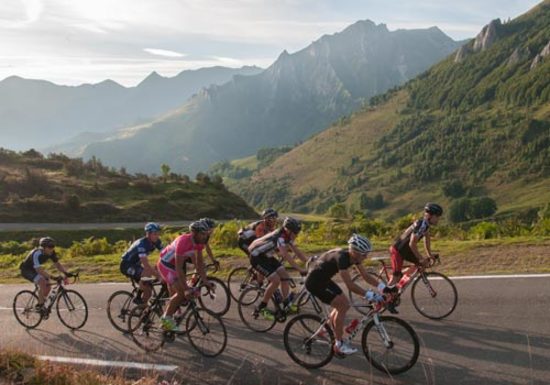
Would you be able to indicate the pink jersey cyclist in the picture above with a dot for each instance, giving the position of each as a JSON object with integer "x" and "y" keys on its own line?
{"x": 184, "y": 247}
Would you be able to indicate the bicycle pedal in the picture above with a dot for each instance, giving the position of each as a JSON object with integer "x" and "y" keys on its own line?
{"x": 170, "y": 336}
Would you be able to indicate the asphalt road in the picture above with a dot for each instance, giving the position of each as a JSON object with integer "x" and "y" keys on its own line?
{"x": 499, "y": 334}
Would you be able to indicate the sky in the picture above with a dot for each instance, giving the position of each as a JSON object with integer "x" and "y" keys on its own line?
{"x": 72, "y": 42}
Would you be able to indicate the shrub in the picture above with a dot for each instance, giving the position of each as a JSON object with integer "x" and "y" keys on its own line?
{"x": 338, "y": 210}
{"x": 179, "y": 193}
{"x": 225, "y": 234}
{"x": 144, "y": 186}
{"x": 484, "y": 230}
{"x": 91, "y": 246}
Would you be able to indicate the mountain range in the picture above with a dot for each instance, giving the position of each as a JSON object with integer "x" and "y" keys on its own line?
{"x": 297, "y": 96}
{"x": 40, "y": 114}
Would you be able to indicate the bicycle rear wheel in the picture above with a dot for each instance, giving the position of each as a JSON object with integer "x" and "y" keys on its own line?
{"x": 308, "y": 342}
{"x": 249, "y": 300}
{"x": 206, "y": 332}
{"x": 217, "y": 300}
{"x": 145, "y": 327}
{"x": 434, "y": 295}
{"x": 392, "y": 346}
{"x": 118, "y": 309}
{"x": 72, "y": 309}
{"x": 25, "y": 309}
{"x": 357, "y": 301}
{"x": 239, "y": 279}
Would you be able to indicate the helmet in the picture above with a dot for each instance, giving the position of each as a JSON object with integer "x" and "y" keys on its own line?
{"x": 46, "y": 242}
{"x": 360, "y": 244}
{"x": 198, "y": 227}
{"x": 152, "y": 227}
{"x": 270, "y": 213}
{"x": 433, "y": 208}
{"x": 292, "y": 224}
{"x": 209, "y": 222}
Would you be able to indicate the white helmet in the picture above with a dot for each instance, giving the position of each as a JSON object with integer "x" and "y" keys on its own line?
{"x": 360, "y": 244}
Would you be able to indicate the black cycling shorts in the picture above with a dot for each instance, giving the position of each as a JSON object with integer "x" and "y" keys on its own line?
{"x": 264, "y": 264}
{"x": 29, "y": 275}
{"x": 132, "y": 271}
{"x": 320, "y": 288}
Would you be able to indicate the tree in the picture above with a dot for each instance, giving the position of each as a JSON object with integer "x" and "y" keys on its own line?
{"x": 165, "y": 169}
{"x": 453, "y": 189}
{"x": 338, "y": 210}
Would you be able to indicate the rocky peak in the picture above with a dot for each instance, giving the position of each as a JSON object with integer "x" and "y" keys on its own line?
{"x": 519, "y": 54}
{"x": 487, "y": 36}
{"x": 540, "y": 56}
{"x": 462, "y": 52}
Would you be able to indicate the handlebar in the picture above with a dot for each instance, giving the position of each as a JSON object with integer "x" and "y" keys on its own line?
{"x": 59, "y": 278}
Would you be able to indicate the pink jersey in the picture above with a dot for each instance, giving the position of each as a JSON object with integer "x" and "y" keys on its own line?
{"x": 183, "y": 246}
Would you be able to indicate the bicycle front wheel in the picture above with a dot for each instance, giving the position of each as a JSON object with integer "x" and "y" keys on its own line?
{"x": 248, "y": 304}
{"x": 308, "y": 341}
{"x": 118, "y": 309}
{"x": 434, "y": 295}
{"x": 238, "y": 279}
{"x": 391, "y": 346}
{"x": 217, "y": 300}
{"x": 145, "y": 327}
{"x": 72, "y": 309}
{"x": 206, "y": 332}
{"x": 25, "y": 309}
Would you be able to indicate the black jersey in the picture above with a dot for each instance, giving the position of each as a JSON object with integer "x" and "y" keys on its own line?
{"x": 37, "y": 258}
{"x": 331, "y": 262}
{"x": 419, "y": 228}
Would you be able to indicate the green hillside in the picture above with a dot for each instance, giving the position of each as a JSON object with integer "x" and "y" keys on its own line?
{"x": 475, "y": 125}
{"x": 34, "y": 188}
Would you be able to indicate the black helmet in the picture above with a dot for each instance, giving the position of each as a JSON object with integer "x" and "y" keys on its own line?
{"x": 152, "y": 227}
{"x": 46, "y": 242}
{"x": 209, "y": 222}
{"x": 198, "y": 227}
{"x": 433, "y": 208}
{"x": 270, "y": 213}
{"x": 292, "y": 224}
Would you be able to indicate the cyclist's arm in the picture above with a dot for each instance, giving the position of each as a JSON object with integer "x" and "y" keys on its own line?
{"x": 427, "y": 245}
{"x": 298, "y": 252}
{"x": 283, "y": 251}
{"x": 210, "y": 254}
{"x": 148, "y": 270}
{"x": 413, "y": 243}
{"x": 367, "y": 277}
{"x": 180, "y": 261}
{"x": 346, "y": 277}
{"x": 199, "y": 265}
{"x": 60, "y": 267}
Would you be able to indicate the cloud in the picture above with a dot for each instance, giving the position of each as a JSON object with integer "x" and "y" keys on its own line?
{"x": 163, "y": 52}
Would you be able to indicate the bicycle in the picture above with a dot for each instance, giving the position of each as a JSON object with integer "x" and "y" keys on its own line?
{"x": 70, "y": 306}
{"x": 205, "y": 330}
{"x": 251, "y": 297}
{"x": 389, "y": 344}
{"x": 433, "y": 294}
{"x": 120, "y": 303}
{"x": 218, "y": 299}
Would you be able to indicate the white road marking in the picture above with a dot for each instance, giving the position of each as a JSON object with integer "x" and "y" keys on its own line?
{"x": 505, "y": 276}
{"x": 116, "y": 364}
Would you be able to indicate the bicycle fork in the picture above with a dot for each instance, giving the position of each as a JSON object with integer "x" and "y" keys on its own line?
{"x": 388, "y": 343}
{"x": 431, "y": 290}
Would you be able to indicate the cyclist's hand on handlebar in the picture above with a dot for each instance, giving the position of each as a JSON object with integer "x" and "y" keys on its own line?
{"x": 372, "y": 296}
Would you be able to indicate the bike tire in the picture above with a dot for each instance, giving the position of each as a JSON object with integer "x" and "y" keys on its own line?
{"x": 404, "y": 340}
{"x": 71, "y": 309}
{"x": 118, "y": 309}
{"x": 431, "y": 306}
{"x": 206, "y": 332}
{"x": 145, "y": 328}
{"x": 24, "y": 308}
{"x": 238, "y": 280}
{"x": 218, "y": 301}
{"x": 248, "y": 301}
{"x": 299, "y": 343}
{"x": 357, "y": 301}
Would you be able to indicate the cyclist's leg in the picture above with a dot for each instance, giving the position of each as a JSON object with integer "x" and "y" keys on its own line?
{"x": 264, "y": 265}
{"x": 397, "y": 265}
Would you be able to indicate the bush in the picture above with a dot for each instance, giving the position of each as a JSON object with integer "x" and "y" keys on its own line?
{"x": 225, "y": 234}
{"x": 338, "y": 210}
{"x": 179, "y": 193}
{"x": 542, "y": 227}
{"x": 91, "y": 246}
{"x": 101, "y": 208}
{"x": 484, "y": 230}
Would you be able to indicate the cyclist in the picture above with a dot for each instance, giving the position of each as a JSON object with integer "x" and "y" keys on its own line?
{"x": 257, "y": 229}
{"x": 134, "y": 263}
{"x": 186, "y": 248}
{"x": 32, "y": 270}
{"x": 319, "y": 283}
{"x": 211, "y": 226}
{"x": 262, "y": 258}
{"x": 405, "y": 246}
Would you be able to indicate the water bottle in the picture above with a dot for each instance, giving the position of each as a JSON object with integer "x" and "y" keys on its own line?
{"x": 51, "y": 297}
{"x": 352, "y": 326}
{"x": 278, "y": 296}
{"x": 404, "y": 280}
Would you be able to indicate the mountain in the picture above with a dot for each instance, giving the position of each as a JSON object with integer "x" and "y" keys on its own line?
{"x": 34, "y": 188}
{"x": 475, "y": 125}
{"x": 48, "y": 114}
{"x": 297, "y": 96}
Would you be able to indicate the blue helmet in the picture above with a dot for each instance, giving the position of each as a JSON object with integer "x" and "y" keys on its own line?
{"x": 152, "y": 227}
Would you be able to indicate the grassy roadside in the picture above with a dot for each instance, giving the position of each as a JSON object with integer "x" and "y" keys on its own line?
{"x": 528, "y": 254}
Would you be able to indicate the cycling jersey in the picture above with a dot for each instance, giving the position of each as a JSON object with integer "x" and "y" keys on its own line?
{"x": 36, "y": 258}
{"x": 140, "y": 249}
{"x": 269, "y": 243}
{"x": 183, "y": 246}
{"x": 419, "y": 228}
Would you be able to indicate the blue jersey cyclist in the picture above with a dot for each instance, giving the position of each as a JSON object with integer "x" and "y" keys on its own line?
{"x": 134, "y": 262}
